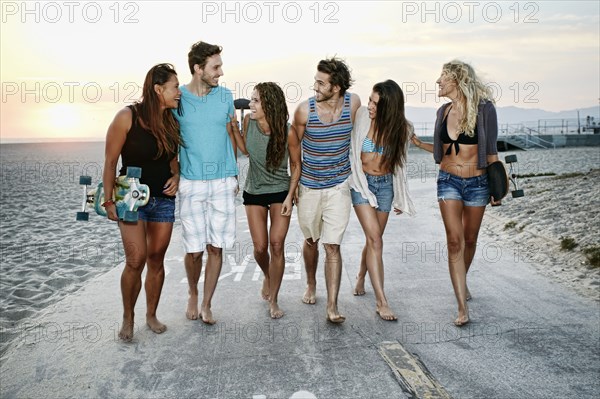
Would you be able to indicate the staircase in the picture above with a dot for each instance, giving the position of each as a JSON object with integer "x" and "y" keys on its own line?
{"x": 519, "y": 136}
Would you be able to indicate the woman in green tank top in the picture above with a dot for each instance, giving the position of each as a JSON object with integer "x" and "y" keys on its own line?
{"x": 269, "y": 189}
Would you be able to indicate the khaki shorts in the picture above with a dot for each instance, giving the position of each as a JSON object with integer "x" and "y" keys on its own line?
{"x": 323, "y": 214}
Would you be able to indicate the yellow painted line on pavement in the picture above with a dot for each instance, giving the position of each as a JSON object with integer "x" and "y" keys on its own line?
{"x": 411, "y": 373}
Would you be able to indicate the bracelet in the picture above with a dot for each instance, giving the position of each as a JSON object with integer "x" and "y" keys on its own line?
{"x": 109, "y": 202}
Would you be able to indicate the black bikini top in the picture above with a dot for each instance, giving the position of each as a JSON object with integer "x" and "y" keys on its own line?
{"x": 461, "y": 139}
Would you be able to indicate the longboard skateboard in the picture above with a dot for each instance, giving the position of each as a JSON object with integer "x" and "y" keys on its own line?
{"x": 499, "y": 181}
{"x": 513, "y": 174}
{"x": 128, "y": 195}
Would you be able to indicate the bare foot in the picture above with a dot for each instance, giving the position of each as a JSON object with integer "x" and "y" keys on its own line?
{"x": 126, "y": 333}
{"x": 463, "y": 317}
{"x": 155, "y": 325}
{"x": 310, "y": 296}
{"x": 207, "y": 316}
{"x": 386, "y": 313}
{"x": 276, "y": 313}
{"x": 359, "y": 289}
{"x": 334, "y": 317}
{"x": 264, "y": 292}
{"x": 469, "y": 295}
{"x": 192, "y": 308}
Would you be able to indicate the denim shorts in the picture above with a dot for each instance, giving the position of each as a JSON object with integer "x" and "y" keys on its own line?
{"x": 158, "y": 209}
{"x": 472, "y": 191}
{"x": 383, "y": 189}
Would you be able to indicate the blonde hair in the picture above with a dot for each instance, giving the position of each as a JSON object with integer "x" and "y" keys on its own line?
{"x": 471, "y": 90}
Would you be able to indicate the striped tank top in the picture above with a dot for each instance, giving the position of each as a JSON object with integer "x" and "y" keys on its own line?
{"x": 326, "y": 148}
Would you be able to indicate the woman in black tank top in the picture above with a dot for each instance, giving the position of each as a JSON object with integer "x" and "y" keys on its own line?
{"x": 146, "y": 135}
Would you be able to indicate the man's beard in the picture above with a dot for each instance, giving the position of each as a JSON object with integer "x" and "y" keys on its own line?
{"x": 209, "y": 82}
{"x": 325, "y": 97}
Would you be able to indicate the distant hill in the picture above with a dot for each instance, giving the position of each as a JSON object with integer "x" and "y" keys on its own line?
{"x": 509, "y": 114}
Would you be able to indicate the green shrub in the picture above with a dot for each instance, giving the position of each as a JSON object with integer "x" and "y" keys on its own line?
{"x": 567, "y": 243}
{"x": 593, "y": 256}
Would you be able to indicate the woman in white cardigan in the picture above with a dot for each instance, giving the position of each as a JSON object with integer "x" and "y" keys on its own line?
{"x": 378, "y": 156}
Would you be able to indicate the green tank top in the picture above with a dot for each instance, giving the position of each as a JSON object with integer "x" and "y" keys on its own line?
{"x": 260, "y": 180}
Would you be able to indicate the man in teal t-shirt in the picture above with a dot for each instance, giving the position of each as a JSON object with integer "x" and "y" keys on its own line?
{"x": 208, "y": 168}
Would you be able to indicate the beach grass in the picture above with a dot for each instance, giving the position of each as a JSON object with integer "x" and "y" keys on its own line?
{"x": 593, "y": 256}
{"x": 568, "y": 243}
{"x": 510, "y": 225}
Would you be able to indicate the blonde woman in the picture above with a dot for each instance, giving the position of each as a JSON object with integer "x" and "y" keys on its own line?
{"x": 464, "y": 143}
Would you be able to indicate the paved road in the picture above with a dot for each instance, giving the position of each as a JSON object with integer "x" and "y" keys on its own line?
{"x": 529, "y": 338}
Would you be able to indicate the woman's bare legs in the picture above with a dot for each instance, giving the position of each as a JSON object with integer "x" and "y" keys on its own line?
{"x": 133, "y": 236}
{"x": 373, "y": 224}
{"x": 459, "y": 219}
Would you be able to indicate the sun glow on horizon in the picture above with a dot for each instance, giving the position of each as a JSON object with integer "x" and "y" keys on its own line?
{"x": 64, "y": 117}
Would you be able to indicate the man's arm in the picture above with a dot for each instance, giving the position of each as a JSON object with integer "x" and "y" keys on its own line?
{"x": 300, "y": 120}
{"x": 295, "y": 157}
{"x": 240, "y": 140}
{"x": 354, "y": 105}
{"x": 295, "y": 136}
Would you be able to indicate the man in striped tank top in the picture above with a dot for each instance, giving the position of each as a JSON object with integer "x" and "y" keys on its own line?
{"x": 323, "y": 124}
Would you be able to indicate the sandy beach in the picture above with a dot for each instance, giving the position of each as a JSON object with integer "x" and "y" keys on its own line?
{"x": 558, "y": 209}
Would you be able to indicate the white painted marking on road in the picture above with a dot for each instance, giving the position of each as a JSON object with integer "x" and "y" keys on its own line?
{"x": 241, "y": 268}
{"x": 296, "y": 272}
{"x": 292, "y": 271}
{"x": 303, "y": 395}
{"x": 257, "y": 273}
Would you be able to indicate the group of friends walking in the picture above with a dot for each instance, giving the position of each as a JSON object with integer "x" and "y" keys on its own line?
{"x": 335, "y": 154}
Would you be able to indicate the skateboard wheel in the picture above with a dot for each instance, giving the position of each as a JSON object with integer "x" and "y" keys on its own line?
{"x": 87, "y": 180}
{"x": 134, "y": 172}
{"x": 510, "y": 158}
{"x": 518, "y": 194}
{"x": 83, "y": 216}
{"x": 130, "y": 216}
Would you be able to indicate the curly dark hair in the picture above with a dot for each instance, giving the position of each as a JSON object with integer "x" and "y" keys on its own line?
{"x": 392, "y": 129}
{"x": 273, "y": 104}
{"x": 338, "y": 71}
{"x": 200, "y": 52}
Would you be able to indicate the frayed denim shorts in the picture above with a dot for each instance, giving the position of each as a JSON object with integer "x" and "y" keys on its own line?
{"x": 383, "y": 189}
{"x": 158, "y": 209}
{"x": 472, "y": 191}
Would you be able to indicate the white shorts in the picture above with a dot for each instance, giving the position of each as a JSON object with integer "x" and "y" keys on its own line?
{"x": 324, "y": 213}
{"x": 207, "y": 213}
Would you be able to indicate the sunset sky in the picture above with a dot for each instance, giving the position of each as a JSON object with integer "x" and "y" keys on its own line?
{"x": 68, "y": 67}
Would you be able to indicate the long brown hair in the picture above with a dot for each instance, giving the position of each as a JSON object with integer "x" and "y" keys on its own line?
{"x": 391, "y": 127}
{"x": 162, "y": 125}
{"x": 273, "y": 104}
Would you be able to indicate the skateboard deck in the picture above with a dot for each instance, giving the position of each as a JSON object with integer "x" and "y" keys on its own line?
{"x": 128, "y": 195}
{"x": 499, "y": 181}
